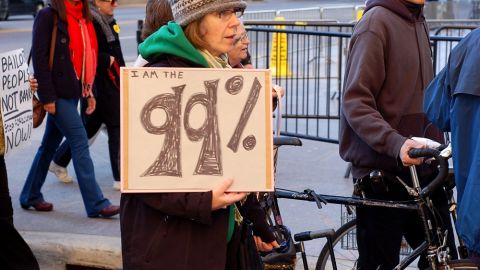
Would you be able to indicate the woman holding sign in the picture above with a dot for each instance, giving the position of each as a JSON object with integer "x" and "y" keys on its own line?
{"x": 65, "y": 29}
{"x": 187, "y": 230}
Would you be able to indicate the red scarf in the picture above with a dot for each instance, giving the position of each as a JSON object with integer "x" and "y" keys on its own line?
{"x": 83, "y": 46}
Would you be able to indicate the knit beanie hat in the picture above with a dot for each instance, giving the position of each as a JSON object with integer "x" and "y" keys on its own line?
{"x": 187, "y": 11}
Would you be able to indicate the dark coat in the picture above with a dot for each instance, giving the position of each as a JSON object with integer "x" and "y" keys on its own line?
{"x": 107, "y": 94}
{"x": 62, "y": 81}
{"x": 178, "y": 230}
{"x": 172, "y": 230}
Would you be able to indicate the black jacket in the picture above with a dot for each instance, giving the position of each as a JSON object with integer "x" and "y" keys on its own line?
{"x": 61, "y": 81}
{"x": 107, "y": 93}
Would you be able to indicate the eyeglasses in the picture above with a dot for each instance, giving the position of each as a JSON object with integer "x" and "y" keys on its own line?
{"x": 243, "y": 37}
{"x": 112, "y": 2}
{"x": 226, "y": 14}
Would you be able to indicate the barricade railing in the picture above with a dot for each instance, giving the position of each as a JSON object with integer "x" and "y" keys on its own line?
{"x": 441, "y": 48}
{"x": 343, "y": 13}
{"x": 317, "y": 25}
{"x": 310, "y": 66}
{"x": 308, "y": 60}
{"x": 444, "y": 39}
{"x": 264, "y": 15}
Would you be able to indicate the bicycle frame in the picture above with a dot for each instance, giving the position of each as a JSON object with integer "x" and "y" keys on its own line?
{"x": 420, "y": 202}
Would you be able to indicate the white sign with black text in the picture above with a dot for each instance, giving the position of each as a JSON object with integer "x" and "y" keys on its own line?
{"x": 188, "y": 129}
{"x": 15, "y": 99}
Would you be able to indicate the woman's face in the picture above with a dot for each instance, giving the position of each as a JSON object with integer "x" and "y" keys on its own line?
{"x": 240, "y": 49}
{"x": 219, "y": 29}
{"x": 106, "y": 7}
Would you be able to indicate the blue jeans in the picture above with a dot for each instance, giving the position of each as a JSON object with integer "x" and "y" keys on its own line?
{"x": 93, "y": 123}
{"x": 66, "y": 122}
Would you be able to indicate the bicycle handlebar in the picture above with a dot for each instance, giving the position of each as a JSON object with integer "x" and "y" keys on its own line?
{"x": 278, "y": 141}
{"x": 442, "y": 167}
{"x": 423, "y": 152}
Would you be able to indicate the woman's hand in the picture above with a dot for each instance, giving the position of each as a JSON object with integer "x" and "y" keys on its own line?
{"x": 277, "y": 88}
{"x": 50, "y": 108}
{"x": 92, "y": 104}
{"x": 221, "y": 198}
{"x": 112, "y": 59}
{"x": 33, "y": 84}
{"x": 265, "y": 247}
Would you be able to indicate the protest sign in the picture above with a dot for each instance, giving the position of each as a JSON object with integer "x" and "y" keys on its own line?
{"x": 188, "y": 129}
{"x": 15, "y": 100}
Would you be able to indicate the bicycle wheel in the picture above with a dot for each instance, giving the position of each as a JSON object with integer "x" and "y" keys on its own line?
{"x": 345, "y": 249}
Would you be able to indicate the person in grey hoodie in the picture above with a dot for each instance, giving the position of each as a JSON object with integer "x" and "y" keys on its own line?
{"x": 389, "y": 64}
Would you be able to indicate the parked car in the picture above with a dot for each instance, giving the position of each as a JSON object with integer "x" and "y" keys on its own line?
{"x": 19, "y": 7}
{"x": 3, "y": 9}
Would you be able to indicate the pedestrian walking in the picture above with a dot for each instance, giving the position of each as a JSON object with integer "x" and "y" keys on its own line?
{"x": 107, "y": 83}
{"x": 61, "y": 84}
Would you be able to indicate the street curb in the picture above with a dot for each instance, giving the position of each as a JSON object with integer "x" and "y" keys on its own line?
{"x": 55, "y": 250}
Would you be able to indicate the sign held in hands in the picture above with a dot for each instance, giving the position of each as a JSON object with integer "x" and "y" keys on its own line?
{"x": 188, "y": 129}
{"x": 15, "y": 100}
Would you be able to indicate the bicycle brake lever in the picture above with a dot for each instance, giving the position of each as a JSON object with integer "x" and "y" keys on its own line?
{"x": 318, "y": 199}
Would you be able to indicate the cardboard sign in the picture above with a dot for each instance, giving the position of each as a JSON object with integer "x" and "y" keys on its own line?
{"x": 15, "y": 99}
{"x": 187, "y": 129}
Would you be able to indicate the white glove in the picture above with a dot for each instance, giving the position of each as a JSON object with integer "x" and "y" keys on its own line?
{"x": 427, "y": 142}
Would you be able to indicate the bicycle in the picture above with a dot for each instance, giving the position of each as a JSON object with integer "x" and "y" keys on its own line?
{"x": 434, "y": 244}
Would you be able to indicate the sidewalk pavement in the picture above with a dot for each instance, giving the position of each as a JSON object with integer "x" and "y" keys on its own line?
{"x": 66, "y": 235}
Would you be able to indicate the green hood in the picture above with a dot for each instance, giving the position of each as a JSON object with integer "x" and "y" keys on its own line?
{"x": 170, "y": 39}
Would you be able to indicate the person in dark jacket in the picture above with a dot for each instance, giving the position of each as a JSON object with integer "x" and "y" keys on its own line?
{"x": 70, "y": 78}
{"x": 452, "y": 103}
{"x": 107, "y": 83}
{"x": 15, "y": 254}
{"x": 389, "y": 64}
{"x": 186, "y": 230}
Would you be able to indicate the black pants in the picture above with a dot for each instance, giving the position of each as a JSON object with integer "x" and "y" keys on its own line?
{"x": 380, "y": 230}
{"x": 92, "y": 125}
{"x": 14, "y": 251}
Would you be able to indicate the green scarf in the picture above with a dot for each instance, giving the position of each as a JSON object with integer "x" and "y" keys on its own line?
{"x": 170, "y": 39}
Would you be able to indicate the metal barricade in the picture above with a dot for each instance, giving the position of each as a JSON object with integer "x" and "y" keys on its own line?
{"x": 441, "y": 48}
{"x": 263, "y": 15}
{"x": 314, "y": 13}
{"x": 309, "y": 65}
{"x": 308, "y": 59}
{"x": 317, "y": 25}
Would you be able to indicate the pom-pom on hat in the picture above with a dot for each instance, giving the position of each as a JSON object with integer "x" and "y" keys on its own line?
{"x": 186, "y": 11}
